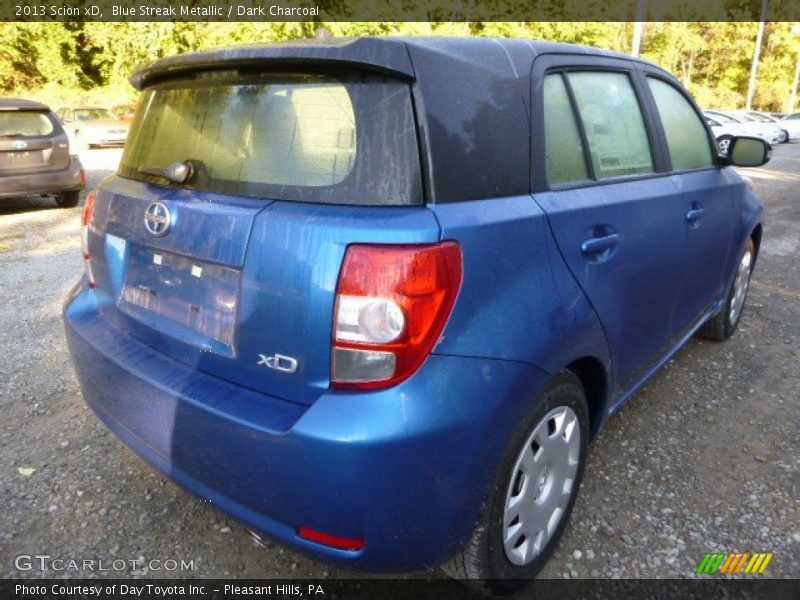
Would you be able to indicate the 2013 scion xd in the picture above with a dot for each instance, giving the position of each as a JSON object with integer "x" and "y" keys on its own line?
{"x": 373, "y": 297}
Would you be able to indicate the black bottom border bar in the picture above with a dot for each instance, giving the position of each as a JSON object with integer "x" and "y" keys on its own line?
{"x": 391, "y": 589}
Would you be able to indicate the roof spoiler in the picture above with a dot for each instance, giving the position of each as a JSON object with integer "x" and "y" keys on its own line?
{"x": 382, "y": 55}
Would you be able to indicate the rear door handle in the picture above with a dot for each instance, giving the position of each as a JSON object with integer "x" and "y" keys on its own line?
{"x": 695, "y": 214}
{"x": 596, "y": 245}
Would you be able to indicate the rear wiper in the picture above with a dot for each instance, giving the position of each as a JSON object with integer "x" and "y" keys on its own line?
{"x": 157, "y": 171}
{"x": 9, "y": 135}
{"x": 178, "y": 172}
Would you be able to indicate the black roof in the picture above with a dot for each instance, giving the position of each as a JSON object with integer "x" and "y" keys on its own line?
{"x": 387, "y": 54}
{"x": 21, "y": 104}
{"x": 472, "y": 97}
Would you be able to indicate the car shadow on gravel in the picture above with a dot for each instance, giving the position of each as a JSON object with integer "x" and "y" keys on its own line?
{"x": 10, "y": 206}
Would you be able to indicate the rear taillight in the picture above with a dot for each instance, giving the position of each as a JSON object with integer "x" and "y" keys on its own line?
{"x": 392, "y": 303}
{"x": 83, "y": 178}
{"x": 88, "y": 213}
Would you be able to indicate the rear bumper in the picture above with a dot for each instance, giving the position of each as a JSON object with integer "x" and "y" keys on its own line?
{"x": 405, "y": 469}
{"x": 46, "y": 182}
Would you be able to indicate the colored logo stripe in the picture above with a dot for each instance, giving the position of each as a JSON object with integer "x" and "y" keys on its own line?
{"x": 759, "y": 562}
{"x": 711, "y": 562}
{"x": 733, "y": 563}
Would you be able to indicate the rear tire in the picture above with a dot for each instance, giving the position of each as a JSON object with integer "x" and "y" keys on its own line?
{"x": 527, "y": 508}
{"x": 68, "y": 199}
{"x": 723, "y": 324}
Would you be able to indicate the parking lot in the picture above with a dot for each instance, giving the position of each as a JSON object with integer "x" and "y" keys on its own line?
{"x": 705, "y": 458}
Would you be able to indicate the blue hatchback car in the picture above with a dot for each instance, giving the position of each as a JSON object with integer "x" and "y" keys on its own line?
{"x": 372, "y": 297}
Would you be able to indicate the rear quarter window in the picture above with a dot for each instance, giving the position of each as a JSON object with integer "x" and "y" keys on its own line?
{"x": 340, "y": 139}
{"x": 563, "y": 148}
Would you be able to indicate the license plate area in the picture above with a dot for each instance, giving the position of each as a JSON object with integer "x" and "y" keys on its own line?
{"x": 195, "y": 301}
{"x": 21, "y": 158}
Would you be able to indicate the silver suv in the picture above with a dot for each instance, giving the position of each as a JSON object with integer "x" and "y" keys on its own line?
{"x": 35, "y": 155}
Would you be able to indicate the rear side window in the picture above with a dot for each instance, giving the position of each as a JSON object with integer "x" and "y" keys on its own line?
{"x": 563, "y": 148}
{"x": 345, "y": 139}
{"x": 612, "y": 119}
{"x": 24, "y": 124}
{"x": 687, "y": 139}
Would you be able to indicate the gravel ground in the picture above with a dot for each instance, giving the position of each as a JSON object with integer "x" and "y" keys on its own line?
{"x": 705, "y": 458}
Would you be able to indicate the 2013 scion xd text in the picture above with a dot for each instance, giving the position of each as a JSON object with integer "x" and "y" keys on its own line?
{"x": 373, "y": 297}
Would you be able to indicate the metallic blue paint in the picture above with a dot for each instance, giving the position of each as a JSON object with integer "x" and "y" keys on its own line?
{"x": 611, "y": 271}
{"x": 404, "y": 468}
{"x": 636, "y": 289}
{"x": 287, "y": 254}
{"x": 517, "y": 295}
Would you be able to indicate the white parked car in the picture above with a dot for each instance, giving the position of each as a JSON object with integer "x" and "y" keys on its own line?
{"x": 92, "y": 126}
{"x": 725, "y": 129}
{"x": 765, "y": 120}
{"x": 791, "y": 123}
{"x": 765, "y": 131}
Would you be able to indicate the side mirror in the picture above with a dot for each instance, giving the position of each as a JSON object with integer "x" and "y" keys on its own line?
{"x": 748, "y": 152}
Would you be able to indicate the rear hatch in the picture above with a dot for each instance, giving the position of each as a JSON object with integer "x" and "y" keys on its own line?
{"x": 31, "y": 141}
{"x": 239, "y": 262}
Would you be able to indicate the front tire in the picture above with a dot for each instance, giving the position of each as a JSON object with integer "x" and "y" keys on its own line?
{"x": 723, "y": 324}
{"x": 533, "y": 494}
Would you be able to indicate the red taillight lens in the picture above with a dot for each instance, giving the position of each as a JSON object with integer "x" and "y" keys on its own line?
{"x": 88, "y": 214}
{"x": 83, "y": 177}
{"x": 88, "y": 208}
{"x": 327, "y": 539}
{"x": 392, "y": 303}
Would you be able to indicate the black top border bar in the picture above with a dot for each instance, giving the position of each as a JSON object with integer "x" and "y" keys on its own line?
{"x": 388, "y": 10}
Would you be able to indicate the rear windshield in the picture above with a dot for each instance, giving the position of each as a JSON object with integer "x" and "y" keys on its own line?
{"x": 340, "y": 139}
{"x": 24, "y": 124}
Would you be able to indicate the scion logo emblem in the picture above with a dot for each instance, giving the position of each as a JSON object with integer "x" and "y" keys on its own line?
{"x": 157, "y": 219}
{"x": 19, "y": 145}
{"x": 279, "y": 362}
